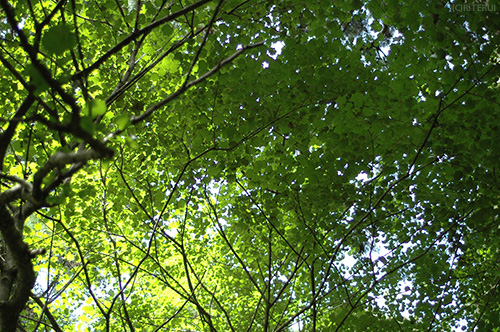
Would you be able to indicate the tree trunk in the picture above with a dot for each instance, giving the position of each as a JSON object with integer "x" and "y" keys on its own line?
{"x": 17, "y": 276}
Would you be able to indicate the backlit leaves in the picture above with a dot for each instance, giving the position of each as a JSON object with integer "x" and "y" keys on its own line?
{"x": 341, "y": 176}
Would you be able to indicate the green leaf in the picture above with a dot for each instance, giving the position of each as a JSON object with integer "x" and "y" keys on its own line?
{"x": 98, "y": 107}
{"x": 131, "y": 142}
{"x": 122, "y": 121}
{"x": 59, "y": 39}
{"x": 94, "y": 108}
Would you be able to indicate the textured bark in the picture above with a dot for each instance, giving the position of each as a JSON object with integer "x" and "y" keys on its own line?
{"x": 17, "y": 276}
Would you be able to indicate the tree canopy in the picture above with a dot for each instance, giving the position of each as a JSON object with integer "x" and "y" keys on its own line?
{"x": 244, "y": 165}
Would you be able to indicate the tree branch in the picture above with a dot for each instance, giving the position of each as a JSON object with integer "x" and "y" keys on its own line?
{"x": 136, "y": 34}
{"x": 185, "y": 87}
{"x": 60, "y": 160}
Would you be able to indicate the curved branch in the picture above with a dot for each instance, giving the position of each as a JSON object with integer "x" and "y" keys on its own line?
{"x": 60, "y": 160}
{"x": 185, "y": 87}
{"x": 133, "y": 36}
{"x": 7, "y": 135}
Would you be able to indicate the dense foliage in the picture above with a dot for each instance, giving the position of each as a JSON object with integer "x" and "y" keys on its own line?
{"x": 244, "y": 165}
